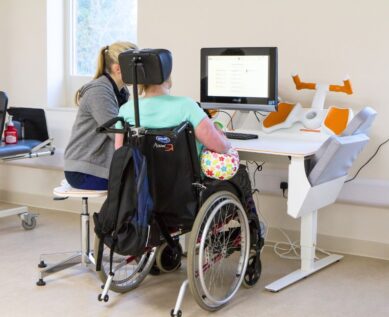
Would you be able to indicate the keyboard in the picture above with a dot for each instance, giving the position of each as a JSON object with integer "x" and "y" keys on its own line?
{"x": 240, "y": 136}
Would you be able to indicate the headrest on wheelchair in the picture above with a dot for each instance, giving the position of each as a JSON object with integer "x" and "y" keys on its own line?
{"x": 154, "y": 66}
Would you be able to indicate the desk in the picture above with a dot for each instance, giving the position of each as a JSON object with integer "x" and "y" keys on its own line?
{"x": 293, "y": 146}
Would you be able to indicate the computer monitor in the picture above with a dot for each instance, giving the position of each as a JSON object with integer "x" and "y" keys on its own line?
{"x": 239, "y": 78}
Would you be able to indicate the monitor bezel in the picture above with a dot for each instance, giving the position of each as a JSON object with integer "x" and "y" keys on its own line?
{"x": 239, "y": 102}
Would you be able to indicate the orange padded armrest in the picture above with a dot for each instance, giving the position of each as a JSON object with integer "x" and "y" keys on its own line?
{"x": 301, "y": 85}
{"x": 337, "y": 119}
{"x": 274, "y": 118}
{"x": 346, "y": 88}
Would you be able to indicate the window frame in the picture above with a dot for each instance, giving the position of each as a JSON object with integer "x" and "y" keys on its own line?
{"x": 73, "y": 81}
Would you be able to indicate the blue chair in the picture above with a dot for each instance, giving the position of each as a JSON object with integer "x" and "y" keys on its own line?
{"x": 25, "y": 148}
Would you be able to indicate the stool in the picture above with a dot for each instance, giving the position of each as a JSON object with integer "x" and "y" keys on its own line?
{"x": 85, "y": 255}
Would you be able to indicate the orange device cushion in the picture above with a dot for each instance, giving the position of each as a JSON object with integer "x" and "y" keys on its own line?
{"x": 284, "y": 109}
{"x": 337, "y": 119}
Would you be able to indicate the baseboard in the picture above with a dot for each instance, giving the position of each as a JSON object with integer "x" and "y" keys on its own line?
{"x": 46, "y": 202}
{"x": 334, "y": 244}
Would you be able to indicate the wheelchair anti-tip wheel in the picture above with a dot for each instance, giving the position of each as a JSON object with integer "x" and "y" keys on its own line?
{"x": 168, "y": 259}
{"x": 129, "y": 271}
{"x": 253, "y": 271}
{"x": 218, "y": 250}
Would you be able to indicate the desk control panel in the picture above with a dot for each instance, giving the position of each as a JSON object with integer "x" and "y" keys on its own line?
{"x": 241, "y": 136}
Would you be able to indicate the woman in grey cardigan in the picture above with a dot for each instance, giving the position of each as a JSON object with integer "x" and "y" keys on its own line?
{"x": 88, "y": 154}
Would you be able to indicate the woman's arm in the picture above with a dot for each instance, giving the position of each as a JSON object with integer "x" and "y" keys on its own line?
{"x": 210, "y": 137}
{"x": 101, "y": 104}
{"x": 118, "y": 140}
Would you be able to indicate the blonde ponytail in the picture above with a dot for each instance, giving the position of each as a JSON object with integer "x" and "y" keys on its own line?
{"x": 101, "y": 61}
{"x": 108, "y": 55}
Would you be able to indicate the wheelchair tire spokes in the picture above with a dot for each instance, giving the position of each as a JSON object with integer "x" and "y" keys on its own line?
{"x": 218, "y": 251}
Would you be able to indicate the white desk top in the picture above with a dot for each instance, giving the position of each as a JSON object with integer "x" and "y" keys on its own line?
{"x": 287, "y": 142}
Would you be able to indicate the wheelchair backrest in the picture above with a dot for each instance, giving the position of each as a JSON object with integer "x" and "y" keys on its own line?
{"x": 173, "y": 168}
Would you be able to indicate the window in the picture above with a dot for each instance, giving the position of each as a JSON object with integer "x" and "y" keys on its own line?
{"x": 96, "y": 23}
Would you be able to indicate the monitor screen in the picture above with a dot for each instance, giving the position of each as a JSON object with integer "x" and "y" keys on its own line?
{"x": 239, "y": 78}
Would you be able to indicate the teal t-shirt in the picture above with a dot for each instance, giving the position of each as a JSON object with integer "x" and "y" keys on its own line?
{"x": 164, "y": 112}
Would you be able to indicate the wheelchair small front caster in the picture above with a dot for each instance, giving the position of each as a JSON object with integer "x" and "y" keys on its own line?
{"x": 253, "y": 271}
{"x": 179, "y": 313}
{"x": 105, "y": 299}
{"x": 41, "y": 282}
{"x": 42, "y": 264}
{"x": 168, "y": 259}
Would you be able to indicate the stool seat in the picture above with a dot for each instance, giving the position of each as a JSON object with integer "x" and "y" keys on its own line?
{"x": 65, "y": 190}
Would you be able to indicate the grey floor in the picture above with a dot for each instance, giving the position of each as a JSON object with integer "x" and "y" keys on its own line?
{"x": 354, "y": 287}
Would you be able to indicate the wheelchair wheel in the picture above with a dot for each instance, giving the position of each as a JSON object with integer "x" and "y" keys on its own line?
{"x": 129, "y": 271}
{"x": 167, "y": 259}
{"x": 218, "y": 250}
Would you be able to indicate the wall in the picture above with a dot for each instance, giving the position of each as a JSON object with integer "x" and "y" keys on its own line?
{"x": 3, "y": 29}
{"x": 55, "y": 47}
{"x": 31, "y": 72}
{"x": 23, "y": 66}
{"x": 322, "y": 41}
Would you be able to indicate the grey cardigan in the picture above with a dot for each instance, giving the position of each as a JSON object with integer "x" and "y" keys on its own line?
{"x": 89, "y": 152}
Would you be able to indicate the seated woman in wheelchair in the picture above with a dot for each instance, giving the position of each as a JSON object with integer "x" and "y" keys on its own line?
{"x": 159, "y": 109}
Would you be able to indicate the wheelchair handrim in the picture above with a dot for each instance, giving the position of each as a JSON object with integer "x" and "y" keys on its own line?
{"x": 241, "y": 268}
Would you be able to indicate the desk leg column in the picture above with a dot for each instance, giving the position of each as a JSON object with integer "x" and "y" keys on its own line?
{"x": 308, "y": 248}
{"x": 308, "y": 241}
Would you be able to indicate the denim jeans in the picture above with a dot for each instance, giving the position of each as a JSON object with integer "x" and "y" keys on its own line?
{"x": 86, "y": 181}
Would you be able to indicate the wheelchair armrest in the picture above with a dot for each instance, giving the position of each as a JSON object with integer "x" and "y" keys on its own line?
{"x": 106, "y": 127}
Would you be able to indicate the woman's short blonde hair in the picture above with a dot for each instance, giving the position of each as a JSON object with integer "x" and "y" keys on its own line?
{"x": 143, "y": 88}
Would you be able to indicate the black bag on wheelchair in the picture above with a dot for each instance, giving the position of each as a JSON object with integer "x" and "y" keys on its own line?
{"x": 123, "y": 221}
{"x": 173, "y": 169}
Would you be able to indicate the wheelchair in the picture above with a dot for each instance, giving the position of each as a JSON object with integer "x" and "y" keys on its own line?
{"x": 224, "y": 233}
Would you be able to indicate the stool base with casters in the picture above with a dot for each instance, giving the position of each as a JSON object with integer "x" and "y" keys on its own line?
{"x": 27, "y": 218}
{"x": 85, "y": 255}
